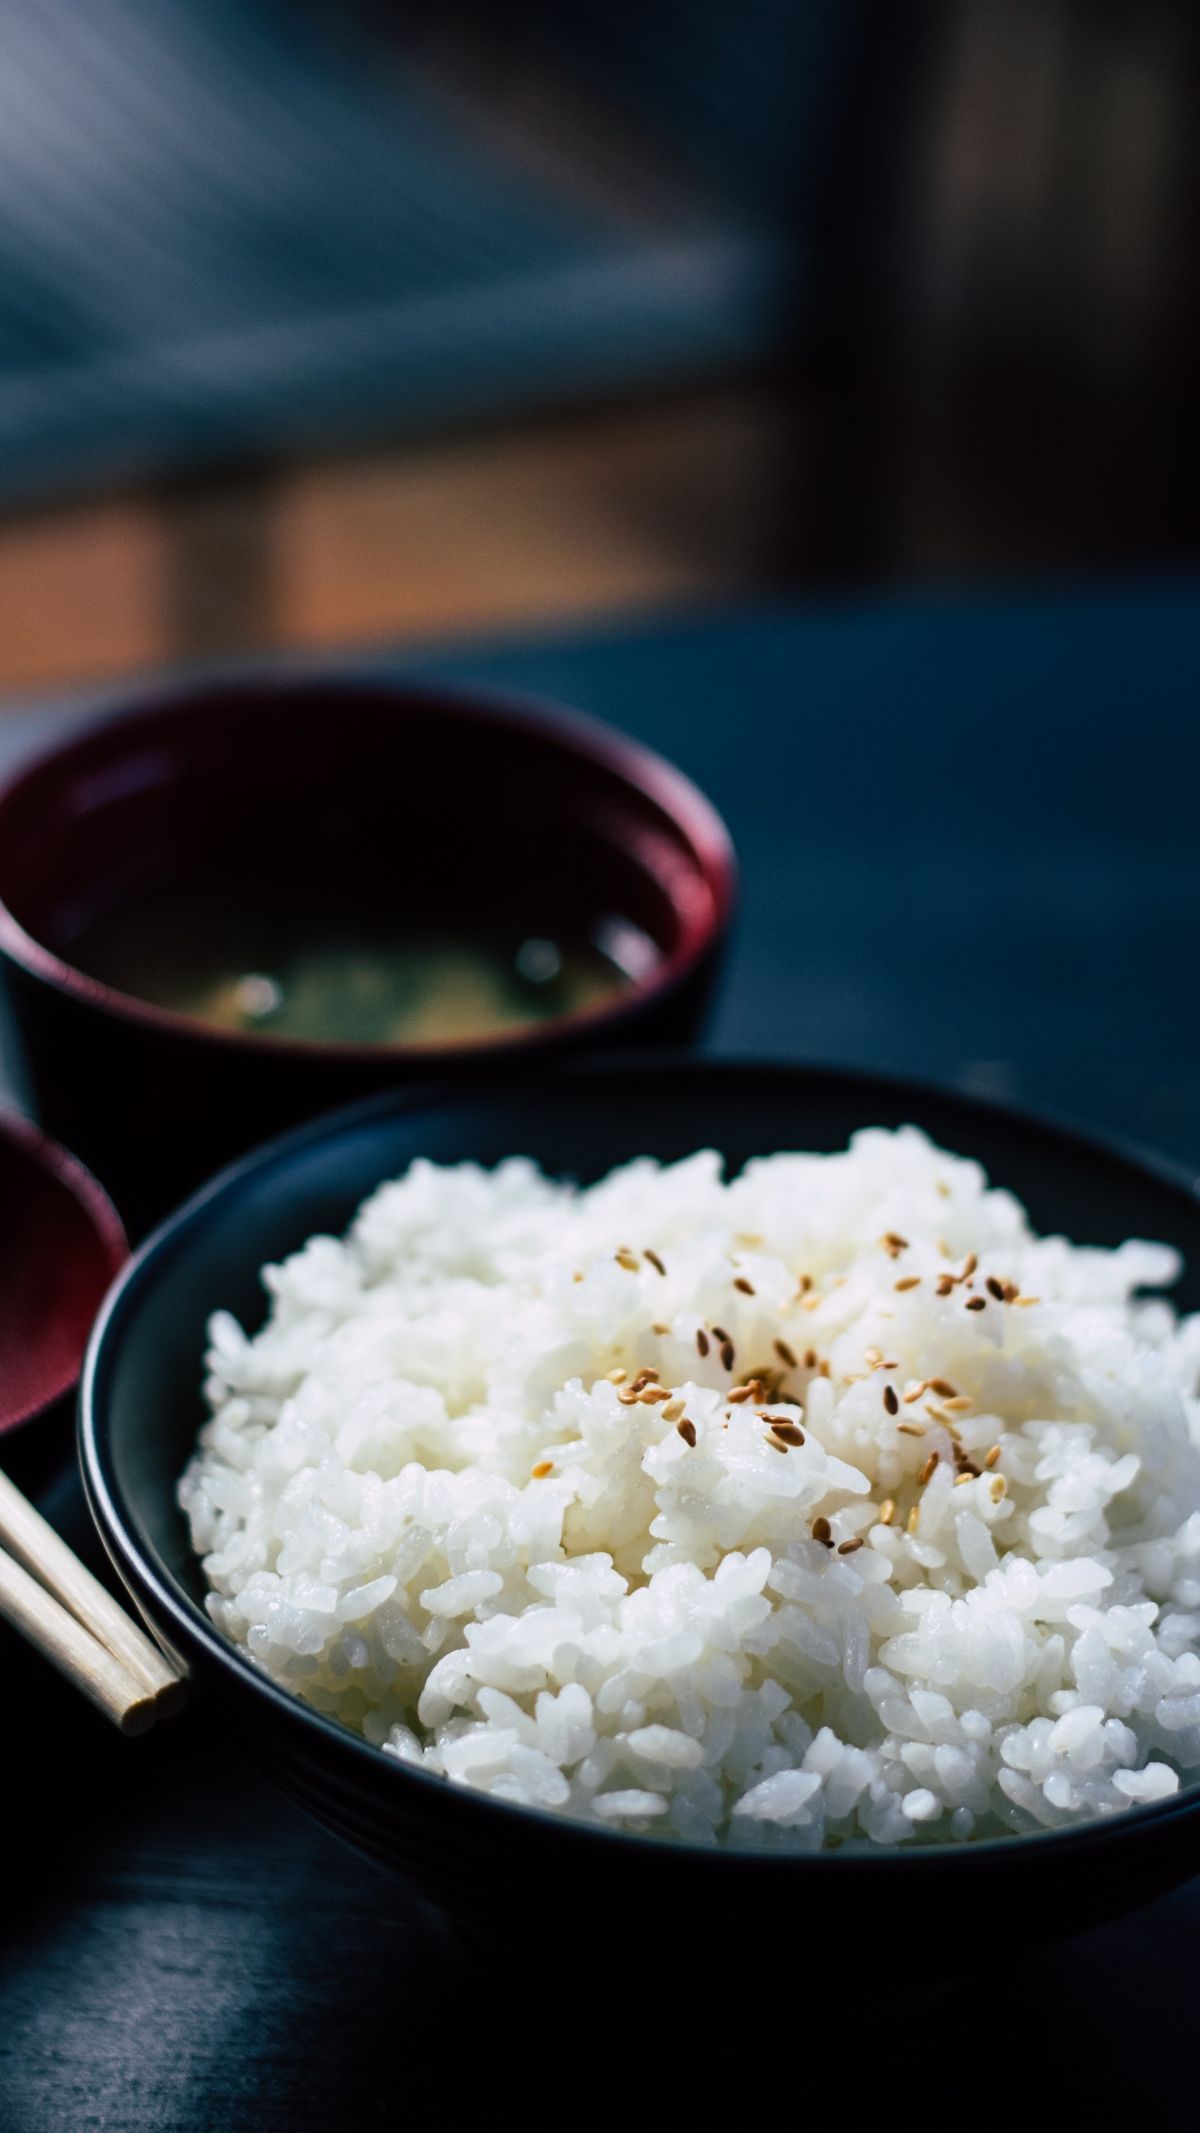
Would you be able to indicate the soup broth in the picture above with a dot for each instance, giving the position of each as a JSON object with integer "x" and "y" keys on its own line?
{"x": 333, "y": 980}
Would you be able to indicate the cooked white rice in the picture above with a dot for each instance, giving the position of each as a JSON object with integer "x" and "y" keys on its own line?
{"x": 428, "y": 1505}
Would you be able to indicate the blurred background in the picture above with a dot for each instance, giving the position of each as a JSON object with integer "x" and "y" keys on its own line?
{"x": 326, "y": 325}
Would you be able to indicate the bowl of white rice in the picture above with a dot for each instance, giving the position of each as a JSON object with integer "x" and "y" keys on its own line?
{"x": 695, "y": 1486}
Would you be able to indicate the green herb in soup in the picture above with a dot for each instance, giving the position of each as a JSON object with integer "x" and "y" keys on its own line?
{"x": 341, "y": 983}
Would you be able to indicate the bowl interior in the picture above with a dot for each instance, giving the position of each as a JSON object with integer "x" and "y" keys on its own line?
{"x": 60, "y": 1245}
{"x": 344, "y": 806}
{"x": 142, "y": 1407}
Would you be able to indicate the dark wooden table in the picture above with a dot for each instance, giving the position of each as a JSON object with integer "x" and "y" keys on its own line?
{"x": 969, "y": 850}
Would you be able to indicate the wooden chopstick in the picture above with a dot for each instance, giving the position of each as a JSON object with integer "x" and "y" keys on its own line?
{"x": 160, "y": 1684}
{"x": 69, "y": 1647}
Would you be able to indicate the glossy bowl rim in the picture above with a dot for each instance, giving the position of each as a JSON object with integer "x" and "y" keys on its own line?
{"x": 573, "y": 733}
{"x": 197, "y": 1634}
{"x": 57, "y": 1162}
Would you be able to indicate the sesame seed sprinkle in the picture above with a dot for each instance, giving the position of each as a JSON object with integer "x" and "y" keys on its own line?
{"x": 785, "y": 1354}
{"x": 655, "y": 1261}
{"x": 910, "y": 1281}
{"x": 822, "y": 1531}
{"x": 617, "y": 1376}
{"x": 992, "y": 1457}
{"x": 849, "y": 1547}
{"x": 746, "y": 1287}
{"x": 977, "y": 1303}
{"x": 626, "y": 1260}
{"x": 701, "y": 1341}
{"x": 911, "y": 1429}
{"x": 687, "y": 1430}
{"x": 890, "y": 1400}
{"x": 788, "y": 1432}
{"x": 887, "y": 1510}
{"x": 929, "y": 1469}
{"x": 673, "y": 1410}
{"x": 727, "y": 1355}
{"x": 543, "y": 1467}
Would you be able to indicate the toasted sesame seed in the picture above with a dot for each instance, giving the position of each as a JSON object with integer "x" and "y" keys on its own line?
{"x": 655, "y": 1261}
{"x": 805, "y": 1284}
{"x": 785, "y": 1354}
{"x": 823, "y": 1370}
{"x": 959, "y": 1404}
{"x": 998, "y": 1487}
{"x": 911, "y": 1429}
{"x": 719, "y": 1333}
{"x": 629, "y": 1399}
{"x": 687, "y": 1430}
{"x": 968, "y": 1470}
{"x": 822, "y": 1531}
{"x": 913, "y": 1392}
{"x": 673, "y": 1410}
{"x": 812, "y": 1303}
{"x": 617, "y": 1376}
{"x": 738, "y": 1393}
{"x": 645, "y": 1376}
{"x": 913, "y": 1518}
{"x": 790, "y": 1432}
{"x": 992, "y": 1458}
{"x": 995, "y": 1288}
{"x": 727, "y": 1354}
{"x": 627, "y": 1260}
{"x": 849, "y": 1547}
{"x": 943, "y": 1388}
{"x": 810, "y": 1358}
{"x": 1011, "y": 1292}
{"x": 893, "y": 1244}
{"x": 887, "y": 1510}
{"x": 969, "y": 1265}
{"x": 774, "y": 1442}
{"x": 650, "y": 1394}
{"x": 944, "y": 1284}
{"x": 890, "y": 1400}
{"x": 977, "y": 1303}
{"x": 910, "y": 1281}
{"x": 960, "y": 1480}
{"x": 942, "y": 1189}
{"x": 873, "y": 1356}
{"x": 659, "y": 1328}
{"x": 747, "y": 1287}
{"x": 929, "y": 1469}
{"x": 543, "y": 1467}
{"x": 1026, "y": 1303}
{"x": 701, "y": 1340}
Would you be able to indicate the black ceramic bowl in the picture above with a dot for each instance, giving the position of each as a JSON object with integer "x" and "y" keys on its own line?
{"x": 483, "y": 1859}
{"x": 361, "y": 801}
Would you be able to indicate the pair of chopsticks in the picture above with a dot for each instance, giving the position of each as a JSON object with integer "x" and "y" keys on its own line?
{"x": 55, "y": 1602}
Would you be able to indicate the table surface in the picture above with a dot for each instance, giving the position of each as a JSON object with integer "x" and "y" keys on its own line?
{"x": 968, "y": 845}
